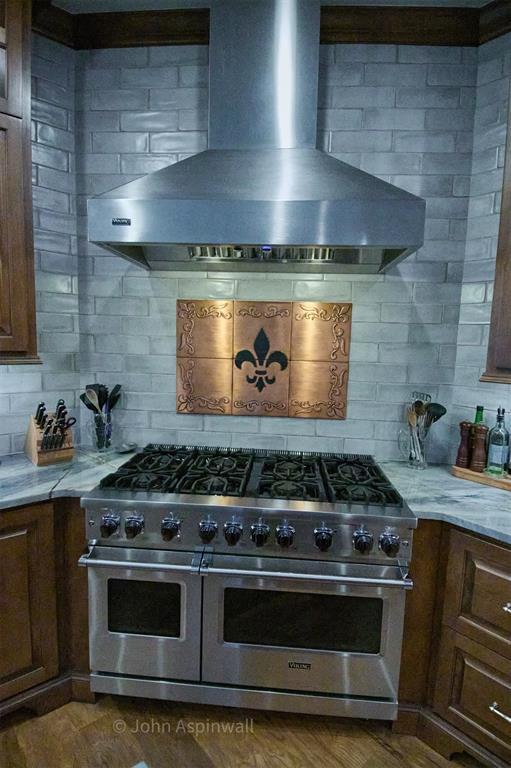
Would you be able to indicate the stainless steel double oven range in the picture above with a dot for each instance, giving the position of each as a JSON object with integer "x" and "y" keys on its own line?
{"x": 259, "y": 579}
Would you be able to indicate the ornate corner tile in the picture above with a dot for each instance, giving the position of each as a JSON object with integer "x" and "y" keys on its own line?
{"x": 318, "y": 390}
{"x": 321, "y": 332}
{"x": 204, "y": 329}
{"x": 204, "y": 385}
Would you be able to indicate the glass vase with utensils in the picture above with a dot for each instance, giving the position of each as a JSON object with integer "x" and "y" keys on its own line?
{"x": 101, "y": 401}
{"x": 420, "y": 415}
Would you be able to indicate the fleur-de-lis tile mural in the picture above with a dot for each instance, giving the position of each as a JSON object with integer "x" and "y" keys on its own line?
{"x": 257, "y": 358}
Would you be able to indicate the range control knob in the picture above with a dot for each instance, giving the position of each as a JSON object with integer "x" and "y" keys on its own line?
{"x": 389, "y": 543}
{"x": 362, "y": 540}
{"x": 109, "y": 525}
{"x": 133, "y": 526}
{"x": 207, "y": 530}
{"x": 259, "y": 533}
{"x": 323, "y": 538}
{"x": 170, "y": 528}
{"x": 285, "y": 534}
{"x": 232, "y": 532}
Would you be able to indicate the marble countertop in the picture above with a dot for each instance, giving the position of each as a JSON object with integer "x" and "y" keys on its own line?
{"x": 431, "y": 494}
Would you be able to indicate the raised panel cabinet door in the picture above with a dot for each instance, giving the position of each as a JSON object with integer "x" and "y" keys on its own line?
{"x": 28, "y": 628}
{"x": 473, "y": 692}
{"x": 12, "y": 19}
{"x": 478, "y": 591}
{"x": 14, "y": 290}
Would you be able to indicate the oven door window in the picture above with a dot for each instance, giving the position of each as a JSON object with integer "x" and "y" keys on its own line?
{"x": 144, "y": 607}
{"x": 303, "y": 620}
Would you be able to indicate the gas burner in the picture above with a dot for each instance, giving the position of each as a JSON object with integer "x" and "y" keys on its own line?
{"x": 216, "y": 473}
{"x": 364, "y": 494}
{"x": 358, "y": 480}
{"x": 290, "y": 468}
{"x": 217, "y": 463}
{"x": 214, "y": 485}
{"x": 288, "y": 489}
{"x": 139, "y": 481}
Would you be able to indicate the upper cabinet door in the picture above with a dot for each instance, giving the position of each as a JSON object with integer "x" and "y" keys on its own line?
{"x": 11, "y": 48}
{"x": 498, "y": 366}
{"x": 14, "y": 330}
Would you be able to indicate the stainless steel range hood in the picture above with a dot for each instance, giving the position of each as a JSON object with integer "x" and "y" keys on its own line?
{"x": 261, "y": 197}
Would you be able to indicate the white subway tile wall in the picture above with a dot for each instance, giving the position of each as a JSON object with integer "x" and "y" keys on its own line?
{"x": 403, "y": 113}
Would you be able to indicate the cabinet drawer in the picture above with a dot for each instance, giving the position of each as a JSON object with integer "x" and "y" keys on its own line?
{"x": 473, "y": 692}
{"x": 478, "y": 591}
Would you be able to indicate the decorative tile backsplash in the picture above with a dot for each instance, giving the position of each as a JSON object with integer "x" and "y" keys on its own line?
{"x": 256, "y": 358}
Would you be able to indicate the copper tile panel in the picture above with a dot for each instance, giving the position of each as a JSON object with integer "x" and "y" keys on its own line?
{"x": 321, "y": 331}
{"x": 318, "y": 390}
{"x": 263, "y": 358}
{"x": 204, "y": 329}
{"x": 249, "y": 400}
{"x": 204, "y": 385}
{"x": 273, "y": 317}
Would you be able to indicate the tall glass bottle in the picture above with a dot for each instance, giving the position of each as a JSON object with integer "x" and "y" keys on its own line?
{"x": 479, "y": 414}
{"x": 498, "y": 447}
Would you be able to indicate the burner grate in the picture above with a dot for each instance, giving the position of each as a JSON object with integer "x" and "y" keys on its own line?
{"x": 202, "y": 470}
{"x": 286, "y": 475}
{"x": 217, "y": 472}
{"x": 358, "y": 480}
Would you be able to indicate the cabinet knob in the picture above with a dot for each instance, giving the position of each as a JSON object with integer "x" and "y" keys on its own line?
{"x": 507, "y": 607}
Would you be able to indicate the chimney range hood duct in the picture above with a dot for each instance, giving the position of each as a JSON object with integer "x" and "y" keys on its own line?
{"x": 262, "y": 196}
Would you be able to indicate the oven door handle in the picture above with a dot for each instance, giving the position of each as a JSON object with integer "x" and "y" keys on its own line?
{"x": 405, "y": 582}
{"x": 87, "y": 560}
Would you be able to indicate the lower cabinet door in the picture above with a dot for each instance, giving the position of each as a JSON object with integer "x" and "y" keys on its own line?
{"x": 28, "y": 618}
{"x": 473, "y": 692}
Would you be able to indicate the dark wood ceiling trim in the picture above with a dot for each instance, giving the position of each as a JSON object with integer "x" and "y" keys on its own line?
{"x": 53, "y": 22}
{"x": 400, "y": 25}
{"x": 121, "y": 30}
{"x": 494, "y": 20}
{"x": 339, "y": 24}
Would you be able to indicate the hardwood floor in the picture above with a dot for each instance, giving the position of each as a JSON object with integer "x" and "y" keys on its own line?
{"x": 120, "y": 733}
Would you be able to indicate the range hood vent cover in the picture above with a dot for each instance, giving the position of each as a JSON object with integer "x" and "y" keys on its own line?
{"x": 261, "y": 197}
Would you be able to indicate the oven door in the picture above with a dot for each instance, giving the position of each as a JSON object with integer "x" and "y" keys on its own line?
{"x": 144, "y": 612}
{"x": 303, "y": 626}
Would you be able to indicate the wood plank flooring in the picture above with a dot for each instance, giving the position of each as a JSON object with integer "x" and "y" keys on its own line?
{"x": 118, "y": 732}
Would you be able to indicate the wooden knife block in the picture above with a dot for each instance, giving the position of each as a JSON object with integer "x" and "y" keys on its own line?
{"x": 41, "y": 458}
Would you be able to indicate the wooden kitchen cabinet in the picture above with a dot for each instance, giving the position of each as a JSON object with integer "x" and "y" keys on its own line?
{"x": 11, "y": 51}
{"x": 498, "y": 364}
{"x": 472, "y": 679}
{"x": 17, "y": 289}
{"x": 28, "y": 628}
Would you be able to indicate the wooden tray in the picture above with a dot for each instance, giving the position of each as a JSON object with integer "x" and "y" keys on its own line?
{"x": 504, "y": 482}
{"x": 44, "y": 458}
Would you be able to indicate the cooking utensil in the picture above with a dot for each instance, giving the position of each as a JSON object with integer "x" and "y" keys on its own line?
{"x": 434, "y": 412}
{"x": 113, "y": 397}
{"x": 93, "y": 398}
{"x": 38, "y": 411}
{"x": 85, "y": 400}
{"x": 102, "y": 396}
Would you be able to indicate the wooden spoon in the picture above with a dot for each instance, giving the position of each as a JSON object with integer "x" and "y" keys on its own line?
{"x": 93, "y": 399}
